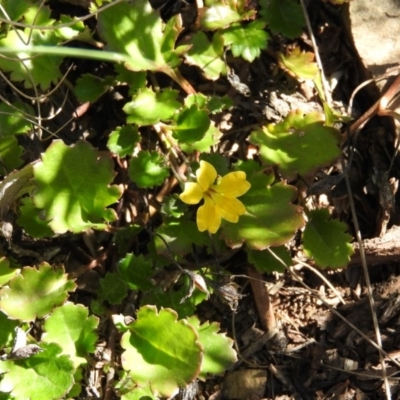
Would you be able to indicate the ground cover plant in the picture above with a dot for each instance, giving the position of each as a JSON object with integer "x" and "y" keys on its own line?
{"x": 135, "y": 175}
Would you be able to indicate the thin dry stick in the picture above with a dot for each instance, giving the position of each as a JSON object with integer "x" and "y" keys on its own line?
{"x": 368, "y": 283}
{"x": 316, "y": 272}
{"x": 328, "y": 96}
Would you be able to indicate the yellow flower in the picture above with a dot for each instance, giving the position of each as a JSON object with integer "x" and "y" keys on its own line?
{"x": 219, "y": 196}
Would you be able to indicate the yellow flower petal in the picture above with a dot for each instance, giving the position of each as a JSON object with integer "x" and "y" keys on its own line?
{"x": 233, "y": 184}
{"x": 192, "y": 194}
{"x": 229, "y": 209}
{"x": 206, "y": 175}
{"x": 208, "y": 217}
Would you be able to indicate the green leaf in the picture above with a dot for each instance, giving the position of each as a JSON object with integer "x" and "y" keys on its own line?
{"x": 39, "y": 70}
{"x": 325, "y": 240}
{"x": 148, "y": 107}
{"x": 283, "y": 16}
{"x": 90, "y": 87}
{"x": 180, "y": 236}
{"x": 135, "y": 80}
{"x": 219, "y": 16}
{"x": 10, "y": 153}
{"x": 246, "y": 41}
{"x": 218, "y": 352}
{"x": 6, "y": 273}
{"x": 147, "y": 169}
{"x": 7, "y": 331}
{"x": 112, "y": 288}
{"x": 46, "y": 375}
{"x": 74, "y": 187}
{"x": 211, "y": 138}
{"x": 35, "y": 292}
{"x": 15, "y": 9}
{"x": 300, "y": 144}
{"x": 265, "y": 262}
{"x": 122, "y": 141}
{"x": 136, "y": 271}
{"x": 161, "y": 351}
{"x": 173, "y": 207}
{"x": 31, "y": 220}
{"x": 207, "y": 55}
{"x": 136, "y": 30}
{"x": 175, "y": 297}
{"x": 299, "y": 64}
{"x": 270, "y": 220}
{"x": 73, "y": 330}
{"x": 191, "y": 125}
{"x": 12, "y": 119}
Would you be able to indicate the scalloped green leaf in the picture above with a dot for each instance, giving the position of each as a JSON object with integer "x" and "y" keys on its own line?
{"x": 300, "y": 144}
{"x": 175, "y": 297}
{"x": 136, "y": 271}
{"x": 283, "y": 16}
{"x": 74, "y": 187}
{"x": 31, "y": 220}
{"x": 10, "y": 154}
{"x": 246, "y": 41}
{"x": 137, "y": 31}
{"x": 90, "y": 87}
{"x": 219, "y": 16}
{"x": 265, "y": 262}
{"x": 148, "y": 107}
{"x": 161, "y": 351}
{"x": 180, "y": 235}
{"x": 6, "y": 273}
{"x": 148, "y": 169}
{"x": 123, "y": 140}
{"x": 39, "y": 70}
{"x": 112, "y": 288}
{"x": 46, "y": 375}
{"x": 207, "y": 55}
{"x": 35, "y": 292}
{"x": 210, "y": 138}
{"x": 270, "y": 220}
{"x": 7, "y": 331}
{"x": 71, "y": 327}
{"x": 219, "y": 354}
{"x": 13, "y": 118}
{"x": 191, "y": 125}
{"x": 325, "y": 240}
{"x": 299, "y": 64}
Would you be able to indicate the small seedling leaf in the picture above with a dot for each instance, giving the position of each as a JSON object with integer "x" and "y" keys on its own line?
{"x": 148, "y": 169}
{"x": 148, "y": 107}
{"x": 122, "y": 140}
{"x": 246, "y": 41}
